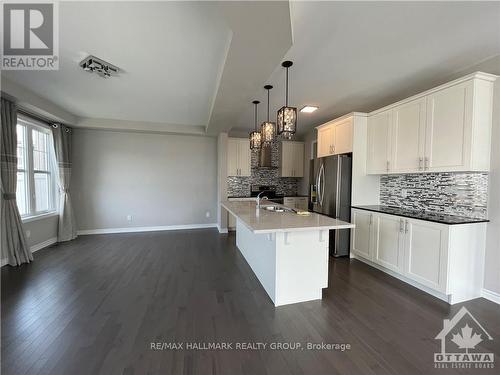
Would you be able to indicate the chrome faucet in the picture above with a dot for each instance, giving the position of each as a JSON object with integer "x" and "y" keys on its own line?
{"x": 259, "y": 199}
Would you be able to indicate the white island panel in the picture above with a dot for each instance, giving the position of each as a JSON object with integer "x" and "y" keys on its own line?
{"x": 292, "y": 267}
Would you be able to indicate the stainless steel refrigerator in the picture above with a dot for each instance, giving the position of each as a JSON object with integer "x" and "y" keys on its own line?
{"x": 330, "y": 194}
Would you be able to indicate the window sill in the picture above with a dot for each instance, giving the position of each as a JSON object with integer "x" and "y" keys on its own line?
{"x": 29, "y": 219}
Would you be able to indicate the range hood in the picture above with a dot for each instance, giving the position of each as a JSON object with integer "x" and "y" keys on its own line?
{"x": 265, "y": 157}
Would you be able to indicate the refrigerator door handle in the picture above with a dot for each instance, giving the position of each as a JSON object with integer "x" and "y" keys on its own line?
{"x": 318, "y": 188}
{"x": 337, "y": 192}
{"x": 322, "y": 178}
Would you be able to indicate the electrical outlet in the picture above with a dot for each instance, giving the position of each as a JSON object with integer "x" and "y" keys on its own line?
{"x": 28, "y": 234}
{"x": 207, "y": 214}
{"x": 404, "y": 193}
{"x": 129, "y": 218}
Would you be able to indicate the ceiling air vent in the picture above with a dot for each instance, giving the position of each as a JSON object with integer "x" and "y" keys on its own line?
{"x": 101, "y": 67}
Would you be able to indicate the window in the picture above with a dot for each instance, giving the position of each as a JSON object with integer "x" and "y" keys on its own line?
{"x": 36, "y": 172}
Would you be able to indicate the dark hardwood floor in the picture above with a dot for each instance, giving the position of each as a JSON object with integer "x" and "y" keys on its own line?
{"x": 95, "y": 305}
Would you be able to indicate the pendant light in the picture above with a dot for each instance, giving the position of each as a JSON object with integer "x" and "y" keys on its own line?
{"x": 287, "y": 116}
{"x": 255, "y": 136}
{"x": 268, "y": 128}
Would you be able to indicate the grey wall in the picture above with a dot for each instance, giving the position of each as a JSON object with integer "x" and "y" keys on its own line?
{"x": 41, "y": 230}
{"x": 159, "y": 179}
{"x": 221, "y": 180}
{"x": 492, "y": 264}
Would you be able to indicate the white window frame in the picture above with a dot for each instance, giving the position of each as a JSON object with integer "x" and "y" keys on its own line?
{"x": 32, "y": 124}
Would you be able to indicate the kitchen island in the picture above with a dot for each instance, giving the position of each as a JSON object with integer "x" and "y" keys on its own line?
{"x": 287, "y": 252}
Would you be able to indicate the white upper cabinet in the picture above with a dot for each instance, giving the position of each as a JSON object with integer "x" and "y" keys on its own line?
{"x": 239, "y": 157}
{"x": 292, "y": 159}
{"x": 449, "y": 129}
{"x": 445, "y": 129}
{"x": 343, "y": 137}
{"x": 408, "y": 137}
{"x": 326, "y": 140}
{"x": 379, "y": 143}
{"x": 335, "y": 137}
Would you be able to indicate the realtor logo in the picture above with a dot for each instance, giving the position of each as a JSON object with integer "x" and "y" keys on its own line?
{"x": 459, "y": 338}
{"x": 30, "y": 36}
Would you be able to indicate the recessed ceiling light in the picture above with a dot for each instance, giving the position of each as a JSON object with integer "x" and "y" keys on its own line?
{"x": 309, "y": 109}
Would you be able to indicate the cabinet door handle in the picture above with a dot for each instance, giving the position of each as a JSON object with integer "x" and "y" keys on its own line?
{"x": 387, "y": 166}
{"x": 371, "y": 219}
{"x": 426, "y": 163}
{"x": 406, "y": 226}
{"x": 401, "y": 225}
{"x": 420, "y": 160}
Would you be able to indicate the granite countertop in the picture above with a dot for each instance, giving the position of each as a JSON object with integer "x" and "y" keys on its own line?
{"x": 263, "y": 221}
{"x": 422, "y": 215}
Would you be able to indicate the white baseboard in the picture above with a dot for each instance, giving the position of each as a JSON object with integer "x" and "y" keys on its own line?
{"x": 146, "y": 229}
{"x": 490, "y": 295}
{"x": 222, "y": 230}
{"x": 34, "y": 248}
{"x": 41, "y": 245}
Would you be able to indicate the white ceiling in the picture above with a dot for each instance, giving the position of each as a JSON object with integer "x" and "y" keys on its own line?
{"x": 362, "y": 56}
{"x": 196, "y": 66}
{"x": 188, "y": 67}
{"x": 172, "y": 55}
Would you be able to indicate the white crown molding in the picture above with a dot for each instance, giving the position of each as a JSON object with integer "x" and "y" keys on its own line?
{"x": 32, "y": 103}
{"x": 146, "y": 229}
{"x": 344, "y": 117}
{"x": 490, "y": 295}
{"x": 476, "y": 75}
{"x": 139, "y": 126}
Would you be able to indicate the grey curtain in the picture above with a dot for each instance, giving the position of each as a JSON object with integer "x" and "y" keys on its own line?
{"x": 62, "y": 145}
{"x": 13, "y": 241}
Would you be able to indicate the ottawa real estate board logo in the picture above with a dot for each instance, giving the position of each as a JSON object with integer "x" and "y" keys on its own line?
{"x": 30, "y": 36}
{"x": 459, "y": 338}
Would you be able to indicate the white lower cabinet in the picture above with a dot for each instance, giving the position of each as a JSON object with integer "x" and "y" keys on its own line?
{"x": 389, "y": 251}
{"x": 444, "y": 260}
{"x": 362, "y": 237}
{"x": 426, "y": 248}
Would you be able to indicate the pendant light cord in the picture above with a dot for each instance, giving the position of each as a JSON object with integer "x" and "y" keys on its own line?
{"x": 255, "y": 127}
{"x": 268, "y": 105}
{"x": 286, "y": 89}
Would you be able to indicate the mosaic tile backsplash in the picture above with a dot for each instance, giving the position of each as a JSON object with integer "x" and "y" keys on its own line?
{"x": 240, "y": 186}
{"x": 462, "y": 194}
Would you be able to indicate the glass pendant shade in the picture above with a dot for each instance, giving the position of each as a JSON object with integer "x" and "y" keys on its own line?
{"x": 287, "y": 121}
{"x": 255, "y": 136}
{"x": 255, "y": 140}
{"x": 267, "y": 129}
